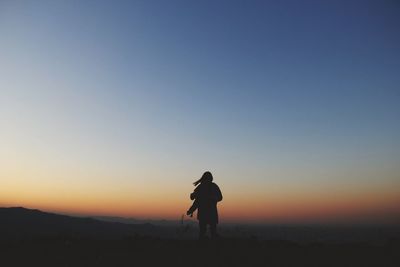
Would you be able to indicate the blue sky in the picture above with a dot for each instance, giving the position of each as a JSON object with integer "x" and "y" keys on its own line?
{"x": 263, "y": 93}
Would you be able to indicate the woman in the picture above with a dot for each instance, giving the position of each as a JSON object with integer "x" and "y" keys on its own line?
{"x": 206, "y": 196}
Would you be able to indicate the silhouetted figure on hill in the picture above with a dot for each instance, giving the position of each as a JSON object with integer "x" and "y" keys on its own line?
{"x": 206, "y": 196}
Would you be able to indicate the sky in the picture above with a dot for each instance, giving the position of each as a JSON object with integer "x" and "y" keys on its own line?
{"x": 117, "y": 107}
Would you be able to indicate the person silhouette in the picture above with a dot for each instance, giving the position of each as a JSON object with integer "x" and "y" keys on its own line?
{"x": 206, "y": 195}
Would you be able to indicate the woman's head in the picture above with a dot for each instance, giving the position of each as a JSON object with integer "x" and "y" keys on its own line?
{"x": 205, "y": 178}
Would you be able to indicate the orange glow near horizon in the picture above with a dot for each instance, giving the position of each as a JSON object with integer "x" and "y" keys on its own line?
{"x": 294, "y": 208}
{"x": 89, "y": 192}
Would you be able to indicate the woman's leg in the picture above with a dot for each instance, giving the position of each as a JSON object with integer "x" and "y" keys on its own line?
{"x": 202, "y": 229}
{"x": 213, "y": 230}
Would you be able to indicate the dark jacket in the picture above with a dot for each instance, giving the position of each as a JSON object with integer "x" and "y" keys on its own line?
{"x": 206, "y": 196}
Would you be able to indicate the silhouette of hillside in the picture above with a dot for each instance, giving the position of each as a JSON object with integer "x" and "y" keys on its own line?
{"x": 21, "y": 223}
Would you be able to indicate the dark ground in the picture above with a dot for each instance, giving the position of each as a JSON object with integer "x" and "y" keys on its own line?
{"x": 146, "y": 251}
{"x": 35, "y": 238}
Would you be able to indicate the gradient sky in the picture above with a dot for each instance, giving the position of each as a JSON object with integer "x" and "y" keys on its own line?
{"x": 116, "y": 107}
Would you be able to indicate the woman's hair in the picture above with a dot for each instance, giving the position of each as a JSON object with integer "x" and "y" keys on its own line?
{"x": 206, "y": 177}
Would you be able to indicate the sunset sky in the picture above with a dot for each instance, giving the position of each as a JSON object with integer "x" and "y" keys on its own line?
{"x": 117, "y": 107}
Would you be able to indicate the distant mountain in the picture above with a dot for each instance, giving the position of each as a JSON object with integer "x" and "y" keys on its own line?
{"x": 169, "y": 223}
{"x": 21, "y": 223}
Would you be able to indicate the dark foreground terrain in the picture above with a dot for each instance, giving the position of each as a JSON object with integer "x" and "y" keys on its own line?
{"x": 35, "y": 238}
{"x": 145, "y": 251}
